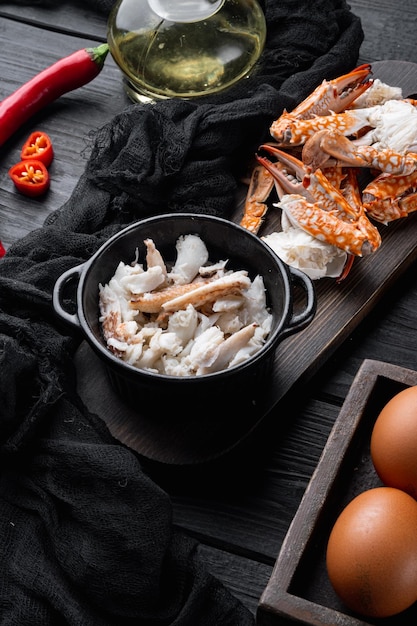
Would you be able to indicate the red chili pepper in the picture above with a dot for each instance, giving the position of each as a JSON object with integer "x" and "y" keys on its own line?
{"x": 30, "y": 177}
{"x": 69, "y": 73}
{"x": 2, "y": 250}
{"x": 38, "y": 146}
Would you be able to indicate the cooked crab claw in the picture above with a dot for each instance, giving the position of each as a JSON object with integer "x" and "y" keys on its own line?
{"x": 331, "y": 96}
{"x": 287, "y": 171}
{"x": 388, "y": 198}
{"x": 292, "y": 177}
{"x": 260, "y": 186}
{"x": 324, "y": 149}
{"x": 331, "y": 148}
{"x": 313, "y": 204}
{"x": 265, "y": 176}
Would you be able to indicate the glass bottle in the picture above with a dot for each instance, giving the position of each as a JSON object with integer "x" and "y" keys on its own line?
{"x": 184, "y": 48}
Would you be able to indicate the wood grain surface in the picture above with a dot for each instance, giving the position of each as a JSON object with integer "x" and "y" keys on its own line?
{"x": 239, "y": 506}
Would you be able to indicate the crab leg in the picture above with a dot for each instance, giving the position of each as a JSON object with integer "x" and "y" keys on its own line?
{"x": 325, "y": 226}
{"x": 320, "y": 209}
{"x": 197, "y": 293}
{"x": 260, "y": 186}
{"x": 152, "y": 301}
{"x": 293, "y": 178}
{"x": 299, "y": 131}
{"x": 324, "y": 145}
{"x": 331, "y": 96}
{"x": 388, "y": 198}
{"x": 228, "y": 285}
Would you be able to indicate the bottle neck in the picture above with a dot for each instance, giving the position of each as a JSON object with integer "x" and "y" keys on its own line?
{"x": 185, "y": 10}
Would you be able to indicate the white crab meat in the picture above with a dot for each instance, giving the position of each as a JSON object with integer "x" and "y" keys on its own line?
{"x": 145, "y": 281}
{"x": 184, "y": 324}
{"x": 205, "y": 348}
{"x": 394, "y": 126}
{"x": 378, "y": 93}
{"x": 154, "y": 257}
{"x": 116, "y": 292}
{"x": 255, "y": 309}
{"x": 228, "y": 303}
{"x": 161, "y": 343}
{"x": 172, "y": 366}
{"x": 110, "y": 309}
{"x": 246, "y": 351}
{"x": 217, "y": 320}
{"x": 315, "y": 258}
{"x": 191, "y": 255}
{"x": 131, "y": 353}
{"x": 216, "y": 268}
{"x": 226, "y": 351}
{"x": 229, "y": 322}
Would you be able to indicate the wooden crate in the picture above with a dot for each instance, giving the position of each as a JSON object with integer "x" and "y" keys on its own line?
{"x": 299, "y": 590}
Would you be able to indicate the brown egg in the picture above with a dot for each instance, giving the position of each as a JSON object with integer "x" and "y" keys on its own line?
{"x": 372, "y": 553}
{"x": 394, "y": 442}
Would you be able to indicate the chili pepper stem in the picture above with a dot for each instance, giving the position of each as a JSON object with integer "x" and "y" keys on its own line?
{"x": 67, "y": 74}
{"x": 99, "y": 53}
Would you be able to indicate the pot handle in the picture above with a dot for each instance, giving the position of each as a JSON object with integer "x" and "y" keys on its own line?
{"x": 58, "y": 294}
{"x": 301, "y": 319}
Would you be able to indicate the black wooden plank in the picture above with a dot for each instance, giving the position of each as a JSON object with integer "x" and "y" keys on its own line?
{"x": 245, "y": 502}
{"x": 68, "y": 121}
{"x": 79, "y": 20}
{"x": 389, "y": 29}
{"x": 246, "y": 579}
{"x": 382, "y": 21}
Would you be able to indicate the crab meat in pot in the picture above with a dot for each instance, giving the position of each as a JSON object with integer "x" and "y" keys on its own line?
{"x": 196, "y": 320}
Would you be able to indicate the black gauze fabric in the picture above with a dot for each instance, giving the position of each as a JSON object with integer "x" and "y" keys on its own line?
{"x": 87, "y": 537}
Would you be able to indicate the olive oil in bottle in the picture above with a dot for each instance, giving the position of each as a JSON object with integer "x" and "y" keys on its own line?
{"x": 184, "y": 48}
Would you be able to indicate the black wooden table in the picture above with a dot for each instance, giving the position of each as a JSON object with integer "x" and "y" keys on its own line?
{"x": 241, "y": 505}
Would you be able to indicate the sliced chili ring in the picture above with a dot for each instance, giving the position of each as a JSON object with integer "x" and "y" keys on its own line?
{"x": 30, "y": 177}
{"x": 38, "y": 146}
{"x": 2, "y": 250}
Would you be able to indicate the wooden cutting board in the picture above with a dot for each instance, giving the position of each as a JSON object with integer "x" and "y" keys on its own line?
{"x": 340, "y": 308}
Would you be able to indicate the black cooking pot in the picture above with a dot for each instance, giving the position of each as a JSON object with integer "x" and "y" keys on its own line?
{"x": 244, "y": 385}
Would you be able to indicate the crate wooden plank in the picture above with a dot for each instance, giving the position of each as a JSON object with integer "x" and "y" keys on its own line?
{"x": 299, "y": 589}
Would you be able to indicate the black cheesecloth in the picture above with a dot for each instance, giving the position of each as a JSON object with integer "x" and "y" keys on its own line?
{"x": 86, "y": 536}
